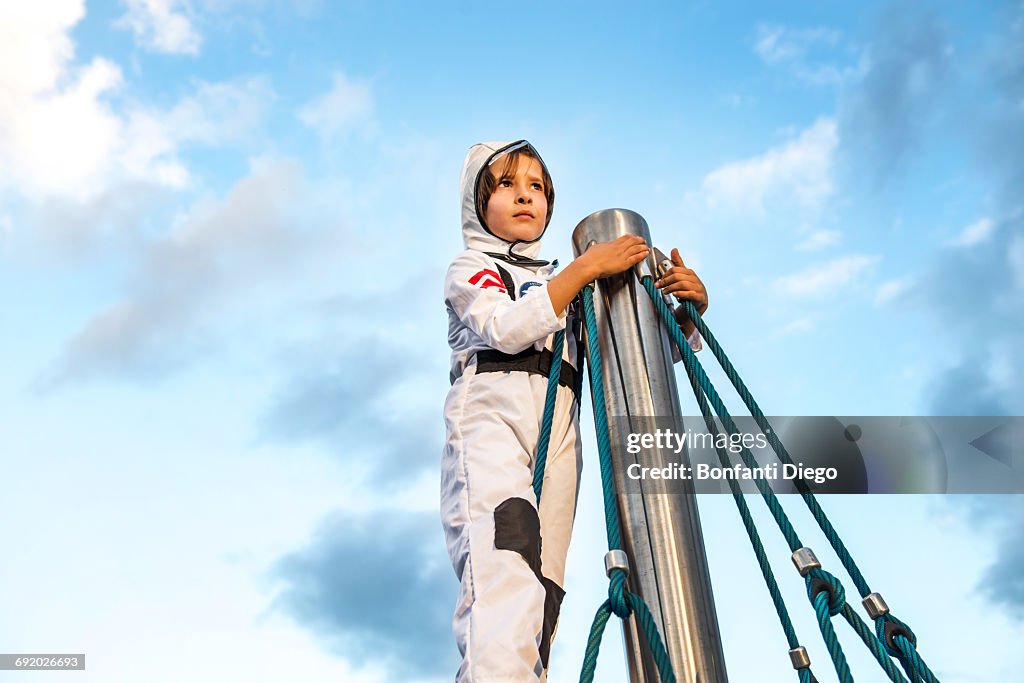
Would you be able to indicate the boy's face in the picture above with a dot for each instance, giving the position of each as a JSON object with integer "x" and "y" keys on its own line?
{"x": 518, "y": 208}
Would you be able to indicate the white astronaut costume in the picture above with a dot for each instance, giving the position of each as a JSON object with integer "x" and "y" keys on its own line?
{"x": 508, "y": 552}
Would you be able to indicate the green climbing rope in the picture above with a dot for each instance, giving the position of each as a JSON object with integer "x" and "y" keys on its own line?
{"x": 901, "y": 643}
{"x": 541, "y": 458}
{"x": 825, "y": 592}
{"x": 620, "y": 601}
{"x": 804, "y": 673}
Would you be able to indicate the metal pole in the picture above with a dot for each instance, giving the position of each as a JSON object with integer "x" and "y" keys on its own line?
{"x": 661, "y": 531}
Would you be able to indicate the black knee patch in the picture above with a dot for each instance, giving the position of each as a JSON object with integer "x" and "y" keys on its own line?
{"x": 517, "y": 527}
{"x": 553, "y": 595}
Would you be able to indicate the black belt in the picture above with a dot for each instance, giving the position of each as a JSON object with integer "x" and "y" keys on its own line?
{"x": 531, "y": 360}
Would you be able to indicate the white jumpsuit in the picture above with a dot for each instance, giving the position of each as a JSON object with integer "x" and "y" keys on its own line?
{"x": 508, "y": 552}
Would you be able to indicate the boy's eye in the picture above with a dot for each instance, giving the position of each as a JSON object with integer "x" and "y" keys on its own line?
{"x": 538, "y": 186}
{"x": 505, "y": 182}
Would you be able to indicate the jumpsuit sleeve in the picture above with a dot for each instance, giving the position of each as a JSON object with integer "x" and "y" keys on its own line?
{"x": 477, "y": 296}
{"x": 694, "y": 341}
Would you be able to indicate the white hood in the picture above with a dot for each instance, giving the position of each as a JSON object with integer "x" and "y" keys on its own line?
{"x": 474, "y": 234}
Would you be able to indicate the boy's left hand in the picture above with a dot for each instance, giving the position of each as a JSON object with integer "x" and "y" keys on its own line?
{"x": 683, "y": 283}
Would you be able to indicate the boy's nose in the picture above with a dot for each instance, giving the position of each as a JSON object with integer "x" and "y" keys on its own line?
{"x": 523, "y": 199}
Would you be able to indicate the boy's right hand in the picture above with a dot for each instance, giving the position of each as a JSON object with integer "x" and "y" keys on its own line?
{"x": 617, "y": 256}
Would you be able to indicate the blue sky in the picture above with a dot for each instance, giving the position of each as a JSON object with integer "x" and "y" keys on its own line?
{"x": 223, "y": 228}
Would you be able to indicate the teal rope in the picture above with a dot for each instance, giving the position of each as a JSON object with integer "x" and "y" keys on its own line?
{"x": 690, "y": 360}
{"x": 875, "y": 645}
{"x": 835, "y": 650}
{"x": 904, "y": 648}
{"x": 650, "y": 630}
{"x": 773, "y": 439}
{"x": 749, "y": 526}
{"x": 702, "y": 382}
{"x": 611, "y": 515}
{"x": 912, "y": 662}
{"x": 708, "y": 389}
{"x": 549, "y": 413}
{"x": 594, "y": 642}
{"x": 907, "y": 654}
{"x": 620, "y": 601}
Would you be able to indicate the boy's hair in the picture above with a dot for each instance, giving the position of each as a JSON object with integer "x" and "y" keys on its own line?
{"x": 489, "y": 182}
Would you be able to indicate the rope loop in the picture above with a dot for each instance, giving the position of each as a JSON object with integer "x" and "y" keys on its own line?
{"x": 617, "y": 594}
{"x": 888, "y": 627}
{"x": 820, "y": 581}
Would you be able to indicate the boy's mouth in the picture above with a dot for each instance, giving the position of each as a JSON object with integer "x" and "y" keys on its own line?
{"x": 523, "y": 214}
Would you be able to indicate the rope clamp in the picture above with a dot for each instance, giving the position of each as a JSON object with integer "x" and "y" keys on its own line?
{"x": 616, "y": 559}
{"x": 805, "y": 560}
{"x": 875, "y": 606}
{"x": 662, "y": 263}
{"x": 799, "y": 657}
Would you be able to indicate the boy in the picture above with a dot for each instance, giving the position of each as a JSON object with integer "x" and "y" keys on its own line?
{"x": 504, "y": 305}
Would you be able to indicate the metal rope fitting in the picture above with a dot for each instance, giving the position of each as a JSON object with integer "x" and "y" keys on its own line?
{"x": 798, "y": 655}
{"x": 805, "y": 561}
{"x": 875, "y": 605}
{"x": 616, "y": 559}
{"x": 662, "y": 263}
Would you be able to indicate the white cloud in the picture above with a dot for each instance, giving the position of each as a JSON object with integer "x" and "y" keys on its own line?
{"x": 797, "y": 326}
{"x": 830, "y": 74}
{"x": 223, "y": 111}
{"x": 195, "y": 275}
{"x": 800, "y": 169}
{"x": 777, "y": 44}
{"x": 6, "y": 230}
{"x": 34, "y": 46}
{"x": 824, "y": 279}
{"x": 975, "y": 233}
{"x": 216, "y": 114}
{"x": 346, "y": 104}
{"x": 61, "y": 141}
{"x": 60, "y": 134}
{"x": 801, "y": 52}
{"x": 738, "y": 99}
{"x": 819, "y": 239}
{"x": 161, "y": 26}
{"x": 56, "y": 132}
{"x": 890, "y": 289}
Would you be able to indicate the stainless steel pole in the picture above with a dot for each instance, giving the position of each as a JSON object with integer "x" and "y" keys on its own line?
{"x": 661, "y": 531}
